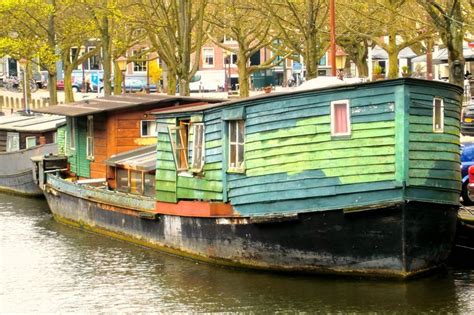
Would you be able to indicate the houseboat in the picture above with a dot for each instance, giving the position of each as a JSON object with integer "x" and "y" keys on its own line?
{"x": 358, "y": 179}
{"x": 21, "y": 137}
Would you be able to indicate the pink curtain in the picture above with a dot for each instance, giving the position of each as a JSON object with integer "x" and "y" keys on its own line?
{"x": 340, "y": 118}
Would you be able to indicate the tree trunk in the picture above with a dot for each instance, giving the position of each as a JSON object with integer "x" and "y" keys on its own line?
{"x": 392, "y": 57}
{"x": 171, "y": 83}
{"x": 68, "y": 94}
{"x": 243, "y": 75}
{"x": 106, "y": 55}
{"x": 454, "y": 41}
{"x": 52, "y": 75}
{"x": 118, "y": 79}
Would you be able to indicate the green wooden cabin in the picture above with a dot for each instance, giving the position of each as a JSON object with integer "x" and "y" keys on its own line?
{"x": 345, "y": 147}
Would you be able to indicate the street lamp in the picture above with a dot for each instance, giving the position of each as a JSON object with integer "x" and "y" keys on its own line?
{"x": 23, "y": 63}
{"x": 340, "y": 62}
{"x": 122, "y": 64}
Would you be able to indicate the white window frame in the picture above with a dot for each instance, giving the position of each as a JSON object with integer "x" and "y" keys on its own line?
{"x": 236, "y": 168}
{"x": 198, "y": 160}
{"x": 141, "y": 64}
{"x": 333, "y": 118}
{"x": 90, "y": 137}
{"x": 27, "y": 144}
{"x": 231, "y": 62}
{"x": 13, "y": 141}
{"x": 174, "y": 132}
{"x": 208, "y": 52}
{"x": 438, "y": 129}
{"x": 152, "y": 134}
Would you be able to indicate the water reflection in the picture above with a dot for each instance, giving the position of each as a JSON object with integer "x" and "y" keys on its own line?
{"x": 49, "y": 267}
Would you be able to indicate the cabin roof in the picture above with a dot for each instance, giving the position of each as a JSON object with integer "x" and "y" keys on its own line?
{"x": 142, "y": 159}
{"x": 31, "y": 123}
{"x": 176, "y": 111}
{"x": 117, "y": 102}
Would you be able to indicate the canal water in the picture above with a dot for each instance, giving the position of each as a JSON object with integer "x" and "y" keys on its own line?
{"x": 46, "y": 267}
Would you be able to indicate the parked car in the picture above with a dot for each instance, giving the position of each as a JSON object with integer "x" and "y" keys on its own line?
{"x": 467, "y": 119}
{"x": 60, "y": 85}
{"x": 135, "y": 85}
{"x": 467, "y": 160}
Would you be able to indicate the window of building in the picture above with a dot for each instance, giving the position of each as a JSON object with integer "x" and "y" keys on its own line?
{"x": 232, "y": 58}
{"x": 90, "y": 137}
{"x": 149, "y": 184}
{"x": 208, "y": 57}
{"x": 94, "y": 61}
{"x": 236, "y": 145}
{"x": 139, "y": 60}
{"x": 438, "y": 115}
{"x": 13, "y": 141}
{"x": 72, "y": 134}
{"x": 121, "y": 176}
{"x": 179, "y": 143}
{"x": 198, "y": 146}
{"x": 30, "y": 142}
{"x": 323, "y": 60}
{"x": 148, "y": 128}
{"x": 340, "y": 118}
{"x": 136, "y": 182}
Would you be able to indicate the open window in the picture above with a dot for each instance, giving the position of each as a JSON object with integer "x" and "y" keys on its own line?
{"x": 236, "y": 145}
{"x": 198, "y": 147}
{"x": 179, "y": 142}
{"x": 148, "y": 128}
{"x": 438, "y": 115}
{"x": 340, "y": 118}
{"x": 90, "y": 137}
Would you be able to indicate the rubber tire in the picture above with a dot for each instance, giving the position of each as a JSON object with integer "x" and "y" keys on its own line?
{"x": 75, "y": 89}
{"x": 466, "y": 199}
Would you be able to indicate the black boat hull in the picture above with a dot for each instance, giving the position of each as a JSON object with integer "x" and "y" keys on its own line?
{"x": 399, "y": 240}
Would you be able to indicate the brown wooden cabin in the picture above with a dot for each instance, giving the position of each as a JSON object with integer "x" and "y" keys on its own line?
{"x": 22, "y": 131}
{"x": 98, "y": 129}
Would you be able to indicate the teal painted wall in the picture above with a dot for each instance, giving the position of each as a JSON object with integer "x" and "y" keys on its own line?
{"x": 293, "y": 164}
{"x": 434, "y": 158}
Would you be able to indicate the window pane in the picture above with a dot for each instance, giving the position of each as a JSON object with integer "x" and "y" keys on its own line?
{"x": 232, "y": 156}
{"x": 340, "y": 118}
{"x": 240, "y": 156}
{"x": 136, "y": 182}
{"x": 438, "y": 115}
{"x": 241, "y": 131}
{"x": 232, "y": 131}
{"x": 30, "y": 142}
{"x": 122, "y": 180}
{"x": 149, "y": 185}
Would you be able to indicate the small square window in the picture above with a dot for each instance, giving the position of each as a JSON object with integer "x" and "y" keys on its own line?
{"x": 30, "y": 142}
{"x": 148, "y": 128}
{"x": 340, "y": 118}
{"x": 438, "y": 115}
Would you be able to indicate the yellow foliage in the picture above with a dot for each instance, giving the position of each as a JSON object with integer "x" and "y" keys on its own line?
{"x": 154, "y": 71}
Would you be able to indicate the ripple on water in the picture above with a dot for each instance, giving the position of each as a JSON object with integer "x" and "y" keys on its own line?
{"x": 46, "y": 267}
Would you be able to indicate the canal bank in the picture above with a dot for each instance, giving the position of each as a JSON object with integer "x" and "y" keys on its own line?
{"x": 46, "y": 267}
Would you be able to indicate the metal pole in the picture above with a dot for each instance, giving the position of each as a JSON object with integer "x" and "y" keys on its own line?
{"x": 147, "y": 75}
{"x": 123, "y": 82}
{"x": 24, "y": 91}
{"x": 332, "y": 27}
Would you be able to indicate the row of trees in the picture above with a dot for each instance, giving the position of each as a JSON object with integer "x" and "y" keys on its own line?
{"x": 45, "y": 31}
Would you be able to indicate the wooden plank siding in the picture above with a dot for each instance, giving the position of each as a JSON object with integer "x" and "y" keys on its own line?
{"x": 291, "y": 157}
{"x": 98, "y": 168}
{"x": 294, "y": 164}
{"x": 170, "y": 186}
{"x": 434, "y": 157}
